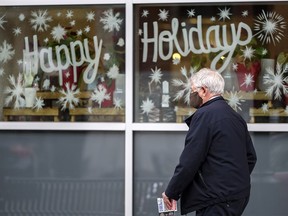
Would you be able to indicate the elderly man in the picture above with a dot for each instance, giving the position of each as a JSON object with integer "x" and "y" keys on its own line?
{"x": 213, "y": 174}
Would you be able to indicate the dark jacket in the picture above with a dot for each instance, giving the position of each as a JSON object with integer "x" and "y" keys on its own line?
{"x": 217, "y": 159}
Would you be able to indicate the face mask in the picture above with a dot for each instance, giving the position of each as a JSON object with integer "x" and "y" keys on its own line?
{"x": 195, "y": 100}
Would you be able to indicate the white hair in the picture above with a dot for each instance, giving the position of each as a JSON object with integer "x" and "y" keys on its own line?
{"x": 210, "y": 79}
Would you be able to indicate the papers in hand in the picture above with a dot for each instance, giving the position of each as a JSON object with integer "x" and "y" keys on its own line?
{"x": 162, "y": 208}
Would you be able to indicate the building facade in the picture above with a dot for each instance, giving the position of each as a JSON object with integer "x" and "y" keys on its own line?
{"x": 94, "y": 93}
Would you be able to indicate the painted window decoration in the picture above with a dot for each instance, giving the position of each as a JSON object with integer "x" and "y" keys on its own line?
{"x": 245, "y": 42}
{"x": 62, "y": 63}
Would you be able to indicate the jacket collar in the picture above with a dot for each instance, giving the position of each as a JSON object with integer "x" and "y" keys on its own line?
{"x": 188, "y": 120}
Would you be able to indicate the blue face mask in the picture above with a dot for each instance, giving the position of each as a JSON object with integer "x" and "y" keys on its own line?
{"x": 195, "y": 100}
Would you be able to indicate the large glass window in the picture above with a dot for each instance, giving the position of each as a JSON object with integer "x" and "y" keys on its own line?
{"x": 62, "y": 63}
{"x": 62, "y": 173}
{"x": 157, "y": 154}
{"x": 245, "y": 42}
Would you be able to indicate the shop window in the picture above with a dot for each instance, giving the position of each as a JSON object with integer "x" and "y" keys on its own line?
{"x": 62, "y": 63}
{"x": 245, "y": 42}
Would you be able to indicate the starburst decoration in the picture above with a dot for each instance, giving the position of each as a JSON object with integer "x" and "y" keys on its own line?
{"x": 145, "y": 13}
{"x": 117, "y": 103}
{"x": 87, "y": 29}
{"x": 58, "y": 33}
{"x": 224, "y": 14}
{"x": 69, "y": 14}
{"x": 191, "y": 13}
{"x": 265, "y": 107}
{"x": 248, "y": 52}
{"x": 69, "y": 98}
{"x": 269, "y": 27}
{"x": 113, "y": 72}
{"x": 6, "y": 52}
{"x": 276, "y": 81}
{"x": 2, "y": 21}
{"x": 100, "y": 94}
{"x": 147, "y": 106}
{"x": 163, "y": 14}
{"x": 212, "y": 19}
{"x": 79, "y": 32}
{"x": 17, "y": 31}
{"x": 15, "y": 92}
{"x": 39, "y": 104}
{"x": 235, "y": 66}
{"x": 185, "y": 86}
{"x": 72, "y": 23}
{"x": 39, "y": 20}
{"x": 110, "y": 21}
{"x": 90, "y": 16}
{"x": 234, "y": 100}
{"x": 245, "y": 13}
{"x": 156, "y": 75}
{"x": 248, "y": 80}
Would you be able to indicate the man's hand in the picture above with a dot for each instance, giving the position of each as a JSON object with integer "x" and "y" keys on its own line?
{"x": 169, "y": 203}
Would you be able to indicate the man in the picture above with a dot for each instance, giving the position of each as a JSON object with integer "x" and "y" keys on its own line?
{"x": 213, "y": 174}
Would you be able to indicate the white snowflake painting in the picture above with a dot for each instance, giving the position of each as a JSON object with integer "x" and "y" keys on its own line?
{"x": 15, "y": 92}
{"x": 87, "y": 29}
{"x": 40, "y": 20}
{"x": 69, "y": 97}
{"x": 90, "y": 16}
{"x": 276, "y": 81}
{"x": 191, "y": 13}
{"x": 39, "y": 104}
{"x": 155, "y": 77}
{"x": 6, "y": 52}
{"x": 117, "y": 103}
{"x": 184, "y": 86}
{"x": 248, "y": 80}
{"x": 111, "y": 21}
{"x": 145, "y": 13}
{"x": 147, "y": 106}
{"x": 163, "y": 14}
{"x": 2, "y": 22}
{"x": 17, "y": 31}
{"x": 100, "y": 94}
{"x": 269, "y": 27}
{"x": 224, "y": 13}
{"x": 248, "y": 52}
{"x": 113, "y": 72}
{"x": 58, "y": 32}
{"x": 69, "y": 14}
{"x": 265, "y": 108}
{"x": 245, "y": 13}
{"x": 234, "y": 100}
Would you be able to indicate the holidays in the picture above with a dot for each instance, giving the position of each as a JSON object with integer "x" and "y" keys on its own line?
{"x": 199, "y": 39}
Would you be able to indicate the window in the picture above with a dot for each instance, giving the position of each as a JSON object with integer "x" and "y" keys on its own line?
{"x": 245, "y": 42}
{"x": 63, "y": 63}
